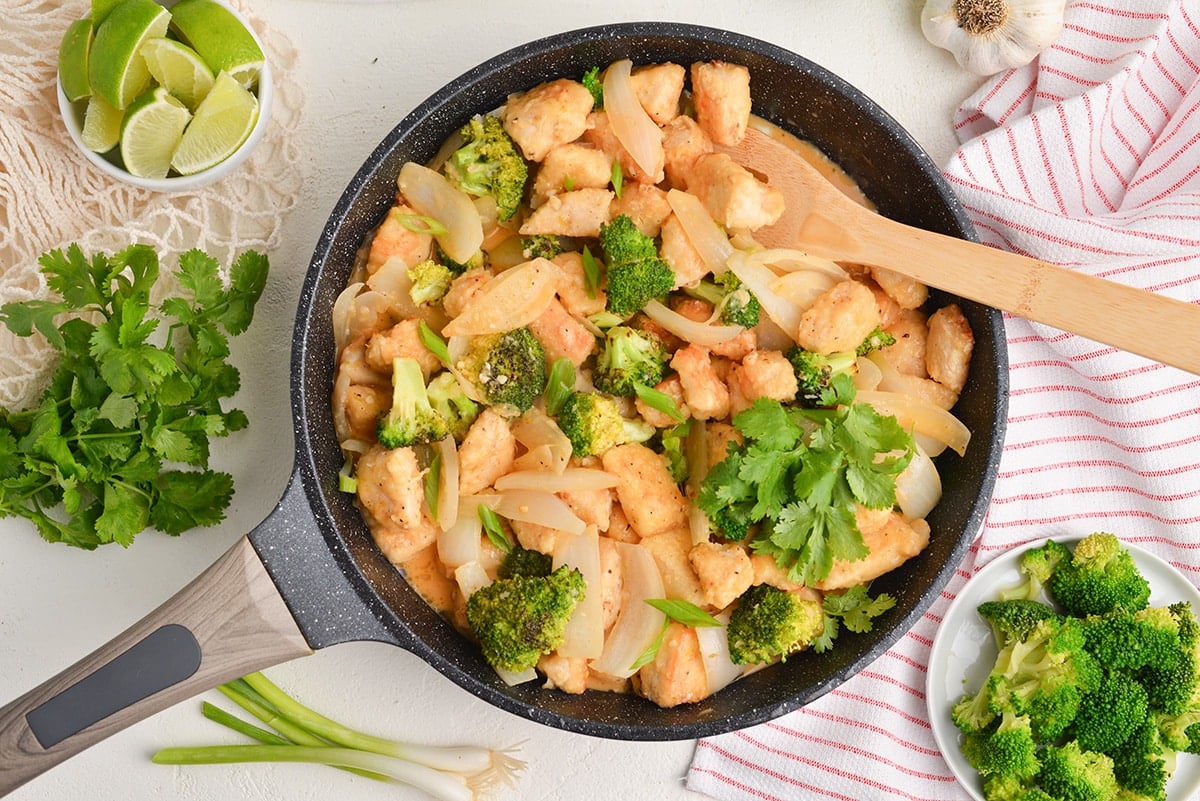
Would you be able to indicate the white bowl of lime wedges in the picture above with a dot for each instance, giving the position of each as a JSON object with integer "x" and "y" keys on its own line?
{"x": 167, "y": 96}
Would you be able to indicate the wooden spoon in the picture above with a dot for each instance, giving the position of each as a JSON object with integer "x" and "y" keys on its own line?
{"x": 820, "y": 219}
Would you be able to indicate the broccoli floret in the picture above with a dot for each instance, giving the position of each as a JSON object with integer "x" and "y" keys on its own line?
{"x": 411, "y": 420}
{"x": 509, "y": 369}
{"x": 520, "y": 618}
{"x": 430, "y": 281}
{"x": 592, "y": 81}
{"x": 1069, "y": 773}
{"x": 974, "y": 713}
{"x": 1037, "y": 565}
{"x": 769, "y": 623}
{"x": 1143, "y": 764}
{"x": 1174, "y": 686}
{"x": 629, "y": 357}
{"x": 823, "y": 378}
{"x": 672, "y": 444}
{"x": 636, "y": 273}
{"x": 1109, "y": 714}
{"x": 1014, "y": 619}
{"x": 734, "y": 303}
{"x": 1008, "y": 788}
{"x": 489, "y": 164}
{"x": 1182, "y": 731}
{"x": 1007, "y": 749}
{"x": 522, "y": 561}
{"x": 541, "y": 246}
{"x": 594, "y": 424}
{"x": 1100, "y": 576}
{"x": 874, "y": 341}
{"x": 1131, "y": 641}
{"x": 449, "y": 400}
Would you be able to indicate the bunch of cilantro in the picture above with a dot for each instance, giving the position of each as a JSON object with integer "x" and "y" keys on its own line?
{"x": 798, "y": 476}
{"x": 119, "y": 440}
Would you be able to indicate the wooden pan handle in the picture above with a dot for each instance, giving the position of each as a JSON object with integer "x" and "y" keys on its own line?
{"x": 228, "y": 622}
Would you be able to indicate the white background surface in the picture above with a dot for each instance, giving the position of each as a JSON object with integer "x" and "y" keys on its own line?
{"x": 363, "y": 67}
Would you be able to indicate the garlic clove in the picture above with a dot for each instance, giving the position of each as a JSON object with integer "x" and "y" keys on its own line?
{"x": 988, "y": 36}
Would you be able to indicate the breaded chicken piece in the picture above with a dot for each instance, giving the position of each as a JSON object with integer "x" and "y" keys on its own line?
{"x": 566, "y": 673}
{"x": 401, "y": 340}
{"x": 548, "y": 115}
{"x": 669, "y": 386}
{"x": 724, "y": 571}
{"x": 765, "y": 374}
{"x": 562, "y": 335}
{"x": 464, "y": 288}
{"x": 600, "y": 135}
{"x": 569, "y": 167}
{"x": 907, "y": 292}
{"x": 486, "y": 453}
{"x": 649, "y": 496}
{"x": 907, "y": 355}
{"x": 703, "y": 390}
{"x": 840, "y": 319}
{"x": 670, "y": 550}
{"x": 572, "y": 286}
{"x": 394, "y": 240}
{"x": 645, "y": 204}
{"x": 391, "y": 491}
{"x": 892, "y": 541}
{"x": 679, "y": 253}
{"x": 658, "y": 88}
{"x": 950, "y": 344}
{"x": 577, "y": 213}
{"x": 733, "y": 195}
{"x": 721, "y": 94}
{"x": 677, "y": 675}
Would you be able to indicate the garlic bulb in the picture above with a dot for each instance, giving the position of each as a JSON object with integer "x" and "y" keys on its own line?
{"x": 987, "y": 36}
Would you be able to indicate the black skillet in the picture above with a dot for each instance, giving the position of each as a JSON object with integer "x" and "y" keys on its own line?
{"x": 309, "y": 576}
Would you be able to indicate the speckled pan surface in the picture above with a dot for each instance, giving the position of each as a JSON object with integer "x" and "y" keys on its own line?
{"x": 788, "y": 90}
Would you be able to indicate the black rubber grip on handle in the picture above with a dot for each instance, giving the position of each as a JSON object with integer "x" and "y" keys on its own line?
{"x": 162, "y": 658}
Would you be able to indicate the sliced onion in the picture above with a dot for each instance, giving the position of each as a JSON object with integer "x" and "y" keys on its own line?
{"x": 702, "y": 231}
{"x": 631, "y": 125}
{"x": 573, "y": 479}
{"x": 690, "y": 330}
{"x": 918, "y": 487}
{"x": 448, "y": 483}
{"x": 585, "y": 630}
{"x": 513, "y": 679}
{"x": 866, "y": 374}
{"x": 639, "y": 623}
{"x": 792, "y": 260}
{"x": 921, "y": 416}
{"x": 516, "y": 297}
{"x": 471, "y": 577}
{"x": 542, "y": 508}
{"x": 719, "y": 668}
{"x": 547, "y": 447}
{"x": 341, "y": 314}
{"x": 759, "y": 279}
{"x": 356, "y": 445}
{"x": 460, "y": 544}
{"x": 801, "y": 289}
{"x": 431, "y": 194}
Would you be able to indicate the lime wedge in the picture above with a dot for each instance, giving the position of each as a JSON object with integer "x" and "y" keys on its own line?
{"x": 222, "y": 122}
{"x": 117, "y": 71}
{"x": 151, "y": 131}
{"x": 101, "y": 125}
{"x": 220, "y": 38}
{"x": 73, "y": 59}
{"x": 178, "y": 69}
{"x": 100, "y": 9}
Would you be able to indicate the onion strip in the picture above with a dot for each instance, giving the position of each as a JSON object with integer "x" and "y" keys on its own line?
{"x": 702, "y": 231}
{"x": 690, "y": 330}
{"x": 759, "y": 279}
{"x": 918, "y": 487}
{"x": 639, "y": 623}
{"x": 448, "y": 483}
{"x": 631, "y": 125}
{"x": 719, "y": 668}
{"x": 584, "y": 637}
{"x": 921, "y": 416}
{"x": 541, "y": 508}
{"x": 432, "y": 195}
{"x": 516, "y": 297}
{"x": 573, "y": 479}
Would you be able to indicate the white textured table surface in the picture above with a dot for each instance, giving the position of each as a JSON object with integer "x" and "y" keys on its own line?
{"x": 363, "y": 66}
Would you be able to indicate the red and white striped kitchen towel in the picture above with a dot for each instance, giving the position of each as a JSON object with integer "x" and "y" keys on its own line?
{"x": 1089, "y": 157}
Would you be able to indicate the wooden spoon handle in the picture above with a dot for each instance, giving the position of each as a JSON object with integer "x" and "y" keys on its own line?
{"x": 228, "y": 622}
{"x": 1134, "y": 320}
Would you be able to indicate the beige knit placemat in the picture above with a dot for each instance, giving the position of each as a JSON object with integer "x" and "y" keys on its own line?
{"x": 51, "y": 196}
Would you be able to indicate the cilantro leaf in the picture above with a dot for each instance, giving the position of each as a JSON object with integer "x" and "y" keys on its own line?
{"x": 855, "y": 609}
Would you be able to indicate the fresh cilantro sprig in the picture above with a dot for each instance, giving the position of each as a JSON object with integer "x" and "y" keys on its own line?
{"x": 799, "y": 475}
{"x": 855, "y": 609}
{"x": 119, "y": 440}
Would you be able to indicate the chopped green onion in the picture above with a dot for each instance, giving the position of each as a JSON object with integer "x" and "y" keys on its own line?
{"x": 659, "y": 401}
{"x": 651, "y": 652}
{"x": 422, "y": 224}
{"x": 568, "y": 183}
{"x": 433, "y": 341}
{"x": 494, "y": 528}
{"x": 560, "y": 383}
{"x": 684, "y": 612}
{"x": 433, "y": 483}
{"x": 347, "y": 482}
{"x": 618, "y": 177}
{"x": 591, "y": 272}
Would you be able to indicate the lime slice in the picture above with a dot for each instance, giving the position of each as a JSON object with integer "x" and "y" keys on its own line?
{"x": 178, "y": 69}
{"x": 100, "y": 9}
{"x": 151, "y": 131}
{"x": 220, "y": 38}
{"x": 220, "y": 125}
{"x": 101, "y": 125}
{"x": 73, "y": 59}
{"x": 117, "y": 70}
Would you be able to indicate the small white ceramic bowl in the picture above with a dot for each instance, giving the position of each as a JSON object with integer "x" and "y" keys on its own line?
{"x": 964, "y": 652}
{"x": 110, "y": 162}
